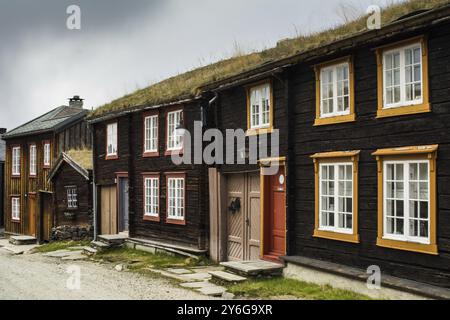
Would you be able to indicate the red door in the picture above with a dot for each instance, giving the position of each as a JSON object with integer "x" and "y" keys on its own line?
{"x": 276, "y": 245}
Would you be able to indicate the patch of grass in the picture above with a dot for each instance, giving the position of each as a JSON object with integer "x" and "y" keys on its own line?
{"x": 189, "y": 84}
{"x": 269, "y": 288}
{"x": 137, "y": 260}
{"x": 60, "y": 245}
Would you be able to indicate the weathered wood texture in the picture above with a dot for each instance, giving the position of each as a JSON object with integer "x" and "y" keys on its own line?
{"x": 82, "y": 215}
{"x": 2, "y": 166}
{"x": 369, "y": 134}
{"x": 25, "y": 185}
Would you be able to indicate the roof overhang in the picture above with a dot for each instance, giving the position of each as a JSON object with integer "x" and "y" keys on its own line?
{"x": 67, "y": 159}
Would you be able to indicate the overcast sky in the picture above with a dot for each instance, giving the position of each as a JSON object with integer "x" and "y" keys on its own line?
{"x": 126, "y": 45}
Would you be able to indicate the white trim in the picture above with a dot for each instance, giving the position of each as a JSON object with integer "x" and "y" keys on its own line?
{"x": 403, "y": 101}
{"x": 336, "y": 96}
{"x": 151, "y": 133}
{"x": 15, "y": 161}
{"x": 111, "y": 139}
{"x": 261, "y": 93}
{"x": 174, "y": 141}
{"x": 47, "y": 154}
{"x": 15, "y": 208}
{"x": 177, "y": 210}
{"x": 406, "y": 202}
{"x": 152, "y": 195}
{"x": 72, "y": 197}
{"x": 33, "y": 158}
{"x": 336, "y": 197}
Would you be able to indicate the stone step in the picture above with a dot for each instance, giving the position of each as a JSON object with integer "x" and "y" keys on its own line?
{"x": 99, "y": 246}
{"x": 22, "y": 240}
{"x": 212, "y": 291}
{"x": 226, "y": 277}
{"x": 113, "y": 239}
{"x": 258, "y": 268}
{"x": 89, "y": 251}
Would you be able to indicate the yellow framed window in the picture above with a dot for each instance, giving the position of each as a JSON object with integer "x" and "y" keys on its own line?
{"x": 336, "y": 195}
{"x": 403, "y": 78}
{"x": 260, "y": 108}
{"x": 407, "y": 198}
{"x": 335, "y": 92}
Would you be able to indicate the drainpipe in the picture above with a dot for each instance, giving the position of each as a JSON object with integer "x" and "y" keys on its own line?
{"x": 94, "y": 186}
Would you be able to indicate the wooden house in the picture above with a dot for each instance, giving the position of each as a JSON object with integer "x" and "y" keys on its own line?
{"x": 71, "y": 176}
{"x": 2, "y": 173}
{"x": 140, "y": 191}
{"x": 31, "y": 149}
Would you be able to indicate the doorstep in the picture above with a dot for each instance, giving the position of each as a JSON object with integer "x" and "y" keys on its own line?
{"x": 398, "y": 284}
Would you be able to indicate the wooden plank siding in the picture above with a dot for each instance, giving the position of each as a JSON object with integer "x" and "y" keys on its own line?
{"x": 369, "y": 134}
{"x": 24, "y": 186}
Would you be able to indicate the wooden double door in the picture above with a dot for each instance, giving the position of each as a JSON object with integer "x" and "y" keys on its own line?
{"x": 243, "y": 216}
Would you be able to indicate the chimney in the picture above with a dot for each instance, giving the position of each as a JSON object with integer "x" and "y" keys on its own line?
{"x": 76, "y": 102}
{"x": 2, "y": 130}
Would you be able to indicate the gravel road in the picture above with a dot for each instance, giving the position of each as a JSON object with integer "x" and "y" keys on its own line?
{"x": 33, "y": 277}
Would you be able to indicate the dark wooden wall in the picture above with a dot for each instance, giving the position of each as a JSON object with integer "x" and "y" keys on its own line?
{"x": 232, "y": 114}
{"x": 76, "y": 136}
{"x": 369, "y": 134}
{"x": 68, "y": 176}
{"x": 194, "y": 233}
{"x": 2, "y": 166}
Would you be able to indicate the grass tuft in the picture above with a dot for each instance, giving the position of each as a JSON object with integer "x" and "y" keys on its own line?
{"x": 60, "y": 245}
{"x": 270, "y": 288}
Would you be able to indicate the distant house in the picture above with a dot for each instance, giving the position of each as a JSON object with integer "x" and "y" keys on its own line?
{"x": 71, "y": 176}
{"x": 2, "y": 172}
{"x": 31, "y": 149}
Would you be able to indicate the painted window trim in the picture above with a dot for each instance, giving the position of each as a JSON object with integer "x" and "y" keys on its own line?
{"x": 337, "y": 157}
{"x": 173, "y": 220}
{"x": 351, "y": 117}
{"x": 67, "y": 197}
{"x": 423, "y": 107}
{"x": 32, "y": 174}
{"x": 13, "y": 174}
{"x": 150, "y": 153}
{"x": 15, "y": 220}
{"x": 49, "y": 163}
{"x": 254, "y": 131}
{"x": 171, "y": 151}
{"x": 146, "y": 216}
{"x": 409, "y": 154}
{"x": 112, "y": 156}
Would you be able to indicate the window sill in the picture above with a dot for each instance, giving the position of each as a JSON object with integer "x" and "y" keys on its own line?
{"x": 404, "y": 111}
{"x": 152, "y": 218}
{"x": 352, "y": 238}
{"x": 335, "y": 120}
{"x": 46, "y": 167}
{"x": 150, "y": 154}
{"x": 177, "y": 222}
{"x": 431, "y": 249}
{"x": 257, "y": 132}
{"x": 112, "y": 157}
{"x": 15, "y": 220}
{"x": 174, "y": 152}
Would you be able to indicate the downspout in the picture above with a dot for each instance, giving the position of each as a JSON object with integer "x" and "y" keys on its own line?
{"x": 94, "y": 186}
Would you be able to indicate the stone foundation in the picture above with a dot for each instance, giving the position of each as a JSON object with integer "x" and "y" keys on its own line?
{"x": 72, "y": 233}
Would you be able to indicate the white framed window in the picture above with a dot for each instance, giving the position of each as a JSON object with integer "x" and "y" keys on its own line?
{"x": 47, "y": 154}
{"x": 174, "y": 139}
{"x": 111, "y": 139}
{"x": 151, "y": 196}
{"x": 175, "y": 199}
{"x": 402, "y": 76}
{"x": 406, "y": 203}
{"x": 335, "y": 90}
{"x": 32, "y": 159}
{"x": 15, "y": 161}
{"x": 336, "y": 197}
{"x": 260, "y": 106}
{"x": 151, "y": 134}
{"x": 72, "y": 201}
{"x": 15, "y": 209}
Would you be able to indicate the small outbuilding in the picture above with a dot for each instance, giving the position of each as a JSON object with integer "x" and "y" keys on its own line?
{"x": 72, "y": 178}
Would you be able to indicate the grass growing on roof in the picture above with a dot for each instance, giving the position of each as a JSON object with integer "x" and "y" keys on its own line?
{"x": 60, "y": 245}
{"x": 188, "y": 84}
{"x": 270, "y": 288}
{"x": 83, "y": 157}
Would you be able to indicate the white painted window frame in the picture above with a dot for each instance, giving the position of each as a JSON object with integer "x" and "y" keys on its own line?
{"x": 177, "y": 193}
{"x": 403, "y": 102}
{"x": 151, "y": 134}
{"x": 258, "y": 94}
{"x": 406, "y": 199}
{"x": 336, "y": 96}
{"x": 111, "y": 139}
{"x": 336, "y": 227}
{"x": 174, "y": 139}
{"x": 33, "y": 160}
{"x": 151, "y": 196}
{"x": 15, "y": 161}
{"x": 15, "y": 208}
{"x": 72, "y": 197}
{"x": 47, "y": 154}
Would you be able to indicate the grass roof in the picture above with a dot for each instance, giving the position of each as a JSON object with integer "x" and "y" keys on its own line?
{"x": 188, "y": 84}
{"x": 82, "y": 157}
